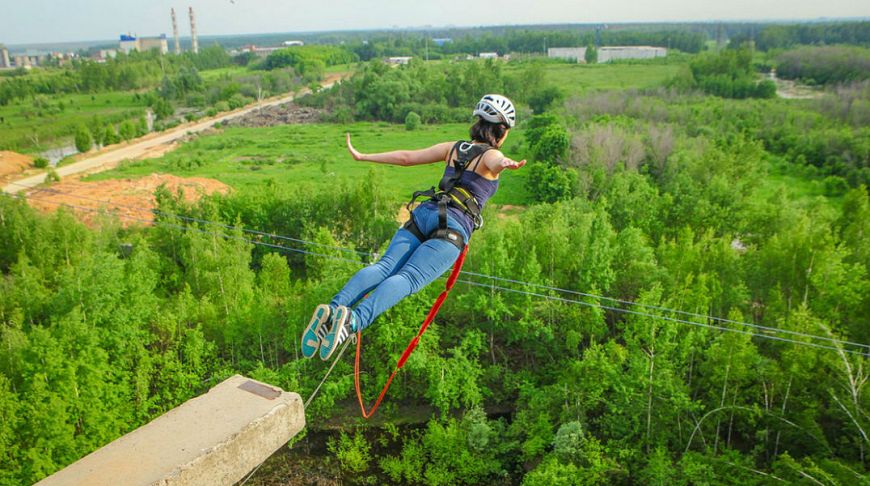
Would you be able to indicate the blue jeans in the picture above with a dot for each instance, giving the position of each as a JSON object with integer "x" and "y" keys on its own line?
{"x": 406, "y": 267}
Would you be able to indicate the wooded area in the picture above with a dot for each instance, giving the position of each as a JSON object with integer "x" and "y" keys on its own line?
{"x": 591, "y": 358}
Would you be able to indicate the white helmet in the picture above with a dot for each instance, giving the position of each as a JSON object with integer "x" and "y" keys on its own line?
{"x": 496, "y": 109}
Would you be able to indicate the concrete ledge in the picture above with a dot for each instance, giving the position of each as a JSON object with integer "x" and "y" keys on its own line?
{"x": 216, "y": 438}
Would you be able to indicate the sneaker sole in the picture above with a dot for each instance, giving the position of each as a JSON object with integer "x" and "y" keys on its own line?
{"x": 311, "y": 339}
{"x": 341, "y": 316}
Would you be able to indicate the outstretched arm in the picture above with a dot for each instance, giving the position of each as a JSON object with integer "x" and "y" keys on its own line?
{"x": 435, "y": 153}
{"x": 497, "y": 162}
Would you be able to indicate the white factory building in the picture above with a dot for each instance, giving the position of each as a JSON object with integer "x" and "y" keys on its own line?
{"x": 576, "y": 54}
{"x": 607, "y": 53}
{"x": 611, "y": 53}
{"x": 130, "y": 43}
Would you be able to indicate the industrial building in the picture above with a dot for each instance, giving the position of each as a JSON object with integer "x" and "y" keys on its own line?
{"x": 175, "y": 32}
{"x": 488, "y": 55}
{"x": 607, "y": 53}
{"x": 129, "y": 43}
{"x": 398, "y": 60}
{"x": 612, "y": 53}
{"x": 259, "y": 51}
{"x": 193, "y": 38}
{"x": 4, "y": 58}
{"x": 291, "y": 43}
{"x": 576, "y": 54}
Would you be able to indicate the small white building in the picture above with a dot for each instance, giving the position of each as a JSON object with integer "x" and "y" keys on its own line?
{"x": 611, "y": 53}
{"x": 399, "y": 60}
{"x": 488, "y": 55}
{"x": 293, "y": 43}
{"x": 105, "y": 54}
{"x": 576, "y": 54}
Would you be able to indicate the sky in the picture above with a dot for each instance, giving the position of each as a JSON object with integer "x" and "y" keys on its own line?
{"x": 45, "y": 21}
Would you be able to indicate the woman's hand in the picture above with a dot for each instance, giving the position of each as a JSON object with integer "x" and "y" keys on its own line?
{"x": 353, "y": 152}
{"x": 507, "y": 163}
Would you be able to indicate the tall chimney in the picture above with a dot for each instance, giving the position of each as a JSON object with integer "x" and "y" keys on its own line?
{"x": 175, "y": 33}
{"x": 193, "y": 31}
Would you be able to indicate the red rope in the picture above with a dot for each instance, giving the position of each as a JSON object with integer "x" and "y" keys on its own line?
{"x": 457, "y": 267}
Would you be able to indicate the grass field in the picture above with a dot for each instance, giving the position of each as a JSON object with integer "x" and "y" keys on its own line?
{"x": 577, "y": 79}
{"x": 315, "y": 156}
{"x": 34, "y": 125}
{"x": 231, "y": 72}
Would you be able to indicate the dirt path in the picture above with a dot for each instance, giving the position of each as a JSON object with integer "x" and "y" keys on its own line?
{"x": 110, "y": 157}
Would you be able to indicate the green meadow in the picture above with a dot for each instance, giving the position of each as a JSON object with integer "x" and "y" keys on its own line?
{"x": 41, "y": 122}
{"x": 315, "y": 156}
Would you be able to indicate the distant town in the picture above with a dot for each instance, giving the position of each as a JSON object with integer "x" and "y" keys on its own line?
{"x": 129, "y": 42}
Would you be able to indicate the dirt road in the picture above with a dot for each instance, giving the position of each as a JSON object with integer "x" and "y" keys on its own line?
{"x": 111, "y": 157}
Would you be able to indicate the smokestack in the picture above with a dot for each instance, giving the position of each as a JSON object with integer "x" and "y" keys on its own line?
{"x": 175, "y": 33}
{"x": 193, "y": 31}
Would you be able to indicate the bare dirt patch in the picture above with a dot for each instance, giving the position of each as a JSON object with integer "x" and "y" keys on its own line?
{"x": 132, "y": 199}
{"x": 13, "y": 163}
{"x": 267, "y": 116}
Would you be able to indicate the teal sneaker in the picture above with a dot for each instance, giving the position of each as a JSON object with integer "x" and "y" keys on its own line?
{"x": 343, "y": 325}
{"x": 317, "y": 329}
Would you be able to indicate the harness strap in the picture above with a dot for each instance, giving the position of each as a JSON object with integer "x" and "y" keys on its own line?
{"x": 451, "y": 280}
{"x": 450, "y": 190}
{"x": 442, "y": 213}
{"x": 448, "y": 234}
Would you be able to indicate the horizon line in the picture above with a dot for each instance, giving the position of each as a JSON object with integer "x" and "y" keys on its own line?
{"x": 424, "y": 28}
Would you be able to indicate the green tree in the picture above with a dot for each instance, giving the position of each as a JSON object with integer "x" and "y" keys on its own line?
{"x": 83, "y": 139}
{"x": 127, "y": 130}
{"x": 412, "y": 121}
{"x": 110, "y": 136}
{"x": 591, "y": 54}
{"x": 544, "y": 99}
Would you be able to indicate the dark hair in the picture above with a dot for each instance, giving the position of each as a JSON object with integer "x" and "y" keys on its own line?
{"x": 488, "y": 132}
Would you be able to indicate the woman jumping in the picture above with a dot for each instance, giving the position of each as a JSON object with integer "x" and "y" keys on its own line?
{"x": 438, "y": 229}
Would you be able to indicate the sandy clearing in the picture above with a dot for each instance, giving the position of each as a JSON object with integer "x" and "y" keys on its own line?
{"x": 132, "y": 199}
{"x": 13, "y": 163}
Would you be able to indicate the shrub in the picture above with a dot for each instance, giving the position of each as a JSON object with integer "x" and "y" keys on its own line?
{"x": 353, "y": 454}
{"x": 544, "y": 99}
{"x": 83, "y": 140}
{"x": 342, "y": 115}
{"x": 52, "y": 176}
{"x": 591, "y": 56}
{"x": 163, "y": 109}
{"x": 412, "y": 121}
{"x": 835, "y": 186}
{"x": 40, "y": 162}
{"x": 237, "y": 101}
{"x": 127, "y": 130}
{"x": 553, "y": 145}
{"x": 551, "y": 183}
{"x": 110, "y": 136}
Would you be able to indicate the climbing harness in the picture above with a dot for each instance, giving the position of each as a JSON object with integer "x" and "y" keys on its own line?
{"x": 451, "y": 193}
{"x": 451, "y": 280}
